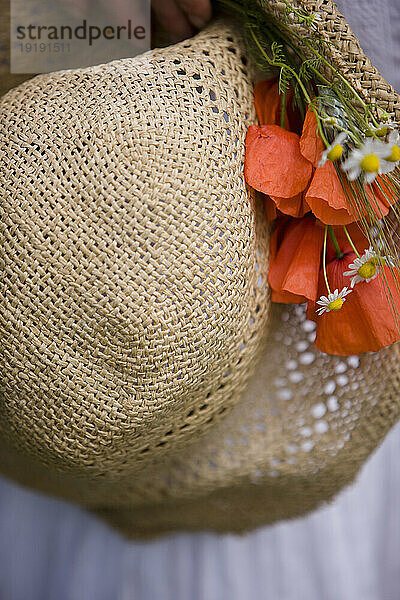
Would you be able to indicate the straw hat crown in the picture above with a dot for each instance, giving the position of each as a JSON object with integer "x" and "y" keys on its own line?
{"x": 133, "y": 298}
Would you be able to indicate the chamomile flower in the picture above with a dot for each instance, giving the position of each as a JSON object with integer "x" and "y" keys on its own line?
{"x": 392, "y": 146}
{"x": 369, "y": 160}
{"x": 365, "y": 268}
{"x": 332, "y": 302}
{"x": 380, "y": 130}
{"x": 335, "y": 150}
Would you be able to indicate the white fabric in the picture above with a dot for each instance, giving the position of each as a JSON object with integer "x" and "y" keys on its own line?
{"x": 346, "y": 551}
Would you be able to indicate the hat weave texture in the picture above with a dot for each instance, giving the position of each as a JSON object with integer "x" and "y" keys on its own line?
{"x": 131, "y": 302}
{"x": 134, "y": 305}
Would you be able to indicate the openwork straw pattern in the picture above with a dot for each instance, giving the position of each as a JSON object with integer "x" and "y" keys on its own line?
{"x": 134, "y": 303}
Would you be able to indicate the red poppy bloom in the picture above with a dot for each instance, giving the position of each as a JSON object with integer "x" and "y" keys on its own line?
{"x": 296, "y": 246}
{"x": 311, "y": 144}
{"x": 369, "y": 202}
{"x": 284, "y": 166}
{"x": 296, "y": 257}
{"x": 275, "y": 166}
{"x": 367, "y": 320}
{"x": 270, "y": 209}
{"x": 326, "y": 198}
{"x": 267, "y": 102}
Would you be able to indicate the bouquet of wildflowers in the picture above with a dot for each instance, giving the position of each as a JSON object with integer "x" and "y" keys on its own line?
{"x": 326, "y": 162}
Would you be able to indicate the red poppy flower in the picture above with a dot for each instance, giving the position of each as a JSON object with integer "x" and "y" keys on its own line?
{"x": 369, "y": 203}
{"x": 296, "y": 246}
{"x": 294, "y": 207}
{"x": 270, "y": 209}
{"x": 382, "y": 189}
{"x": 296, "y": 254}
{"x": 275, "y": 166}
{"x": 284, "y": 166}
{"x": 357, "y": 236}
{"x": 280, "y": 164}
{"x": 366, "y": 322}
{"x": 267, "y": 102}
{"x": 326, "y": 198}
{"x": 325, "y": 195}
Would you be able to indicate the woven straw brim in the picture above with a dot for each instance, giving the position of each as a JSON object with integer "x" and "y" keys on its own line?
{"x": 300, "y": 432}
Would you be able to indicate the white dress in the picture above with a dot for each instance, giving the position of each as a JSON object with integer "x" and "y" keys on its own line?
{"x": 349, "y": 550}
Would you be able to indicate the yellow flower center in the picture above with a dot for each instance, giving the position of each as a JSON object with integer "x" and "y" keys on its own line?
{"x": 335, "y": 152}
{"x": 367, "y": 270}
{"x": 395, "y": 155}
{"x": 336, "y": 304}
{"x": 370, "y": 163}
{"x": 382, "y": 131}
{"x": 379, "y": 132}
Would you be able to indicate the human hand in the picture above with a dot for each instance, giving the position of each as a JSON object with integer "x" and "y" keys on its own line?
{"x": 181, "y": 18}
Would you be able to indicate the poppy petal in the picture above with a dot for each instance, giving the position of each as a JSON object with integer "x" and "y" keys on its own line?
{"x": 368, "y": 202}
{"x": 287, "y": 298}
{"x": 382, "y": 188}
{"x": 295, "y": 207}
{"x": 326, "y": 197}
{"x": 270, "y": 208}
{"x": 377, "y": 200}
{"x": 357, "y": 237}
{"x": 311, "y": 144}
{"x": 273, "y": 163}
{"x": 295, "y": 264}
{"x": 267, "y": 101}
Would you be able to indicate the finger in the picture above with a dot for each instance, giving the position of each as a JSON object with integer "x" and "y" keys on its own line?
{"x": 198, "y": 12}
{"x": 172, "y": 19}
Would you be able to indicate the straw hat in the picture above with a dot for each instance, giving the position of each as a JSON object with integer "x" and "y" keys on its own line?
{"x": 135, "y": 306}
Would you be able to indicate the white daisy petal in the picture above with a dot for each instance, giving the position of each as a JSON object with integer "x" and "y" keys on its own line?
{"x": 369, "y": 177}
{"x": 369, "y": 159}
{"x": 358, "y": 270}
{"x": 387, "y": 166}
{"x": 330, "y": 303}
{"x": 354, "y": 173}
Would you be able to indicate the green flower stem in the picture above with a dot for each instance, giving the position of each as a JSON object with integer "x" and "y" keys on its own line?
{"x": 283, "y": 109}
{"x": 326, "y": 62}
{"x": 277, "y": 31}
{"x": 282, "y": 66}
{"x": 353, "y": 134}
{"x": 339, "y": 253}
{"x": 319, "y": 125}
{"x": 350, "y": 241}
{"x": 324, "y": 260}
